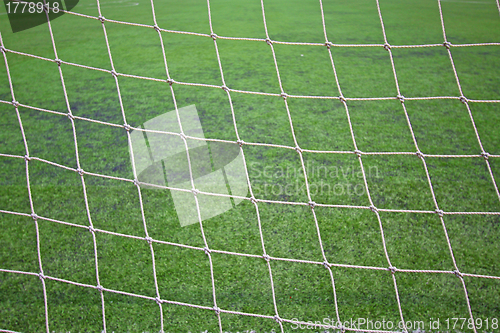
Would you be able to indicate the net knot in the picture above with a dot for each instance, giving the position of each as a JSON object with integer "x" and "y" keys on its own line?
{"x": 447, "y": 45}
{"x": 269, "y": 42}
{"x": 393, "y": 269}
{"x": 34, "y": 216}
{"x": 311, "y": 204}
{"x": 485, "y": 155}
{"x": 266, "y": 257}
{"x": 326, "y": 264}
{"x": 253, "y": 200}
{"x": 156, "y": 27}
{"x": 158, "y": 300}
{"x": 463, "y": 99}
{"x": 328, "y": 44}
{"x": 100, "y": 288}
{"x": 373, "y": 208}
{"x": 58, "y": 61}
{"x": 15, "y": 103}
{"x": 70, "y": 116}
{"x": 113, "y": 72}
{"x": 183, "y": 136}
{"x": 207, "y": 251}
{"x": 342, "y": 99}
{"x": 458, "y": 273}
{"x": 2, "y": 49}
{"x": 27, "y": 158}
{"x": 127, "y": 127}
{"x": 170, "y": 81}
{"x": 80, "y": 171}
{"x": 240, "y": 142}
{"x": 225, "y": 88}
{"x": 278, "y": 319}
{"x": 91, "y": 229}
{"x": 419, "y": 154}
{"x": 216, "y": 309}
{"x": 387, "y": 46}
{"x": 148, "y": 239}
{"x": 136, "y": 182}
{"x": 214, "y": 36}
{"x": 195, "y": 191}
{"x": 440, "y": 212}
{"x": 358, "y": 152}
{"x": 298, "y": 150}
{"x": 284, "y": 95}
{"x": 41, "y": 276}
{"x": 401, "y": 98}
{"x": 101, "y": 18}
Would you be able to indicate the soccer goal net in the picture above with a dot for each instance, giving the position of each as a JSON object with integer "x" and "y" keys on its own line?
{"x": 249, "y": 166}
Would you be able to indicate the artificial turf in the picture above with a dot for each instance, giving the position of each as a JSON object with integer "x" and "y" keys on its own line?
{"x": 350, "y": 236}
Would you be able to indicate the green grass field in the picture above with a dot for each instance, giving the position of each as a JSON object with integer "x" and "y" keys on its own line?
{"x": 350, "y": 236}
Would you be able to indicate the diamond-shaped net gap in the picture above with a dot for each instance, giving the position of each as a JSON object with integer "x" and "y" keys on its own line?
{"x": 171, "y": 82}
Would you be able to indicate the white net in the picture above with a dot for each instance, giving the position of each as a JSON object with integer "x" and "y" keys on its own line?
{"x": 199, "y": 195}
